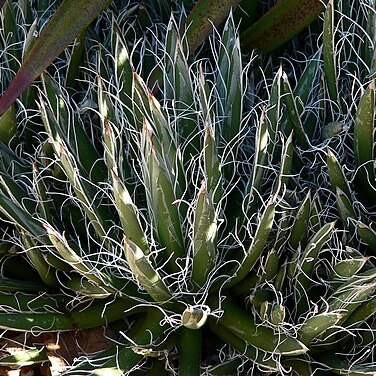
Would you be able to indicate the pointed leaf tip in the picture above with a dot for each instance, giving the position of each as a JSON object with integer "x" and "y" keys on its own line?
{"x": 71, "y": 17}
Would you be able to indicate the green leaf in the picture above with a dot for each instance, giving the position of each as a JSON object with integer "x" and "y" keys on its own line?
{"x": 329, "y": 57}
{"x": 34, "y": 254}
{"x": 190, "y": 347}
{"x": 178, "y": 86}
{"x": 346, "y": 211}
{"x": 284, "y": 175}
{"x": 241, "y": 323}
{"x": 299, "y": 228}
{"x": 364, "y": 127}
{"x": 364, "y": 142}
{"x": 260, "y": 162}
{"x": 255, "y": 354}
{"x": 76, "y": 58}
{"x": 8, "y": 125}
{"x": 258, "y": 243}
{"x": 229, "y": 83}
{"x": 87, "y": 192}
{"x": 24, "y": 358}
{"x": 22, "y": 218}
{"x": 307, "y": 262}
{"x": 10, "y": 26}
{"x": 294, "y": 115}
{"x": 212, "y": 165}
{"x": 145, "y": 273}
{"x": 15, "y": 285}
{"x": 64, "y": 123}
{"x": 129, "y": 215}
{"x": 317, "y": 324}
{"x": 83, "y": 287}
{"x": 96, "y": 314}
{"x": 336, "y": 174}
{"x": 341, "y": 366}
{"x": 273, "y": 110}
{"x": 16, "y": 193}
{"x": 10, "y": 161}
{"x": 32, "y": 302}
{"x": 161, "y": 198}
{"x": 70, "y": 253}
{"x": 367, "y": 235}
{"x": 204, "y": 237}
{"x": 348, "y": 267}
{"x": 71, "y": 17}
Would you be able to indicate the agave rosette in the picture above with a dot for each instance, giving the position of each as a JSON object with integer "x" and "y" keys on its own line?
{"x": 197, "y": 219}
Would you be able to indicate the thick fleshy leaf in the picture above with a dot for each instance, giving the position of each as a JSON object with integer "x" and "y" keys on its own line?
{"x": 203, "y": 16}
{"x": 24, "y": 358}
{"x": 283, "y": 21}
{"x": 229, "y": 83}
{"x": 97, "y": 314}
{"x": 71, "y": 17}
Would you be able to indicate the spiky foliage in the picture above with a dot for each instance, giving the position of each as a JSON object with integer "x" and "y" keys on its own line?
{"x": 210, "y": 221}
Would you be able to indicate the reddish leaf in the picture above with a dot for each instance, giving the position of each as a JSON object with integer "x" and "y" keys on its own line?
{"x": 71, "y": 17}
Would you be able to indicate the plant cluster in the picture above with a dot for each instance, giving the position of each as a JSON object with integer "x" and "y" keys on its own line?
{"x": 214, "y": 207}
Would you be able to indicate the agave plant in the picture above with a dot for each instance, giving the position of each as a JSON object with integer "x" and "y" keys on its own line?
{"x": 197, "y": 221}
{"x": 71, "y": 19}
{"x": 140, "y": 229}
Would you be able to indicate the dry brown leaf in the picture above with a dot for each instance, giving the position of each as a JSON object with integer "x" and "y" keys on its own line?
{"x": 62, "y": 348}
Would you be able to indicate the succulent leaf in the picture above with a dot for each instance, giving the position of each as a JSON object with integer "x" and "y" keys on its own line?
{"x": 67, "y": 22}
